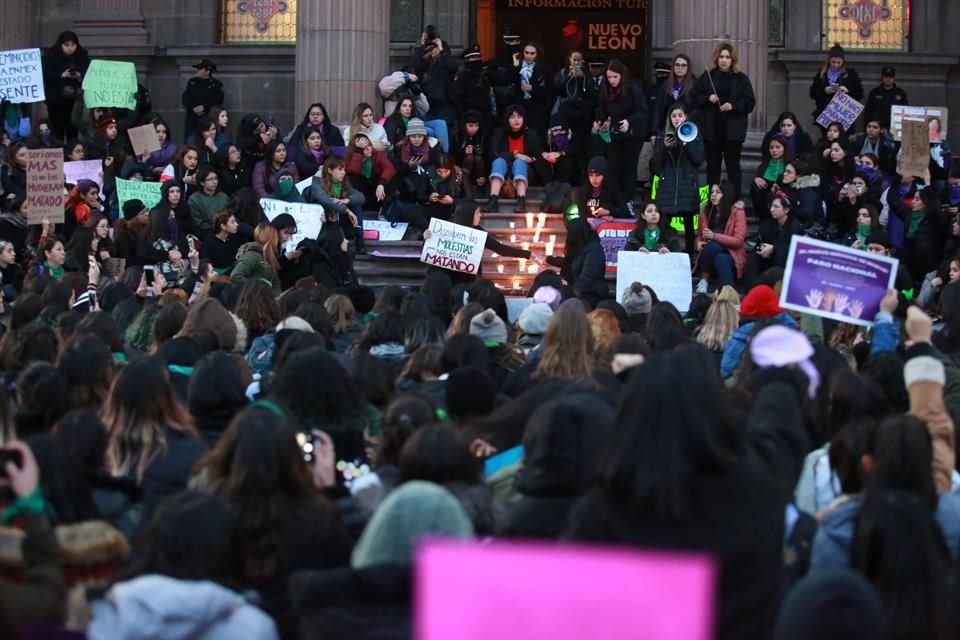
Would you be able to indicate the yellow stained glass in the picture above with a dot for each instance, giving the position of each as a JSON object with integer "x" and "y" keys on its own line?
{"x": 866, "y": 24}
{"x": 259, "y": 21}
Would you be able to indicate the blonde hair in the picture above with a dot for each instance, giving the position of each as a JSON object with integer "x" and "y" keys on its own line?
{"x": 726, "y": 293}
{"x": 734, "y": 59}
{"x": 568, "y": 347}
{"x": 721, "y": 321}
{"x": 341, "y": 311}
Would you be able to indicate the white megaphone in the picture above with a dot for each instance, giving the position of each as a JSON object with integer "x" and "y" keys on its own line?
{"x": 687, "y": 132}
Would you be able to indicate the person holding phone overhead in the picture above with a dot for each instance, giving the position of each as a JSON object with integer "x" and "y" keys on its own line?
{"x": 724, "y": 97}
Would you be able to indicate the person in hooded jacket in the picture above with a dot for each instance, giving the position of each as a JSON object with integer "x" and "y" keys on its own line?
{"x": 171, "y": 218}
{"x": 253, "y": 135}
{"x": 678, "y": 166}
{"x": 599, "y": 196}
{"x": 63, "y": 67}
{"x": 562, "y": 447}
{"x": 802, "y": 185}
{"x": 583, "y": 265}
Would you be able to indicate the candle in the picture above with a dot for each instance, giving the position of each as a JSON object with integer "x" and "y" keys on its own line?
{"x": 499, "y": 268}
{"x": 553, "y": 238}
{"x": 516, "y": 283}
{"x": 513, "y": 225}
{"x": 513, "y": 237}
{"x": 529, "y": 219}
{"x": 541, "y": 218}
{"x": 536, "y": 235}
{"x": 532, "y": 269}
{"x": 549, "y": 249}
{"x": 525, "y": 246}
{"x": 523, "y": 264}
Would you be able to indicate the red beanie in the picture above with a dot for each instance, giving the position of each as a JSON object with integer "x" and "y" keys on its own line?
{"x": 760, "y": 302}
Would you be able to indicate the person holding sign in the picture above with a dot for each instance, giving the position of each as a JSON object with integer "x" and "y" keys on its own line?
{"x": 63, "y": 67}
{"x": 835, "y": 77}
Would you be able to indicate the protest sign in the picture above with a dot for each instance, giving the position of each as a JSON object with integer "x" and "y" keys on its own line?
{"x": 44, "y": 185}
{"x": 144, "y": 139}
{"x": 914, "y": 157}
{"x": 453, "y": 246}
{"x": 78, "y": 170}
{"x": 837, "y": 282}
{"x": 843, "y": 109}
{"x": 304, "y": 184}
{"x": 147, "y": 192}
{"x": 386, "y": 231}
{"x": 109, "y": 83}
{"x": 309, "y": 219}
{"x": 666, "y": 273}
{"x": 21, "y": 76}
{"x": 935, "y": 117}
{"x": 616, "y": 593}
{"x": 613, "y": 237}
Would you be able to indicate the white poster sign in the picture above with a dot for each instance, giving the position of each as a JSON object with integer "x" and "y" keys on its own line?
{"x": 668, "y": 274}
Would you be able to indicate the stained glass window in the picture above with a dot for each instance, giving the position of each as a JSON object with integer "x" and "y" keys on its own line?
{"x": 259, "y": 21}
{"x": 880, "y": 25}
{"x": 775, "y": 20}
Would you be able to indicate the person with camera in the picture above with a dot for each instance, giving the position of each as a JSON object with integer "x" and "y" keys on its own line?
{"x": 577, "y": 97}
{"x": 853, "y": 196}
{"x": 63, "y": 67}
{"x": 774, "y": 236}
{"x": 401, "y": 85}
{"x": 437, "y": 69}
{"x": 623, "y": 111}
{"x": 677, "y": 163}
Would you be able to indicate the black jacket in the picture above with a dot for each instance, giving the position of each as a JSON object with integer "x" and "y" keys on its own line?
{"x": 818, "y": 89}
{"x": 168, "y": 474}
{"x": 532, "y": 145}
{"x": 586, "y": 273}
{"x": 57, "y": 88}
{"x": 14, "y": 181}
{"x": 679, "y": 171}
{"x": 206, "y": 93}
{"x": 737, "y": 516}
{"x": 137, "y": 250}
{"x": 436, "y": 80}
{"x": 779, "y": 236}
{"x": 221, "y": 254}
{"x": 711, "y": 120}
{"x": 663, "y": 100}
{"x": 879, "y": 101}
{"x": 630, "y": 106}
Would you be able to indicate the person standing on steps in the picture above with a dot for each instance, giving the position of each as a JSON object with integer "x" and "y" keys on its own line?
{"x": 514, "y": 150}
{"x": 624, "y": 108}
{"x": 203, "y": 92}
{"x": 835, "y": 77}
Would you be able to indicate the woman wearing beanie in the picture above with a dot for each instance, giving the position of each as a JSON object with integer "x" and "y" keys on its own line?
{"x": 504, "y": 357}
{"x": 207, "y": 201}
{"x": 722, "y": 233}
{"x": 599, "y": 196}
{"x": 266, "y": 173}
{"x": 514, "y": 149}
{"x": 833, "y": 78}
{"x": 761, "y": 304}
{"x": 724, "y": 97}
{"x": 532, "y": 326}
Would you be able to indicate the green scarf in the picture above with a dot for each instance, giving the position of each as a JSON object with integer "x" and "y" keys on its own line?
{"x": 406, "y": 121}
{"x": 916, "y": 217}
{"x": 863, "y": 230}
{"x": 774, "y": 170}
{"x": 366, "y": 167}
{"x": 336, "y": 188}
{"x": 650, "y": 238}
{"x": 56, "y": 272}
{"x": 605, "y": 136}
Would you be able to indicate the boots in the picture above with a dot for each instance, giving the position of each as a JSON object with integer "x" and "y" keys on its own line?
{"x": 492, "y": 206}
{"x": 521, "y": 205}
{"x": 361, "y": 247}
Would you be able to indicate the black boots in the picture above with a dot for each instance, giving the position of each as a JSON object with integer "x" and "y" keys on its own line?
{"x": 521, "y": 206}
{"x": 361, "y": 247}
{"x": 492, "y": 206}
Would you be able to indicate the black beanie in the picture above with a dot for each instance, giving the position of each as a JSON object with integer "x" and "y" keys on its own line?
{"x": 831, "y": 604}
{"x": 598, "y": 164}
{"x": 132, "y": 208}
{"x": 471, "y": 392}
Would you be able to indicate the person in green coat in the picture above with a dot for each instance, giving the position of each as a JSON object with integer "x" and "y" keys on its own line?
{"x": 206, "y": 203}
{"x": 253, "y": 263}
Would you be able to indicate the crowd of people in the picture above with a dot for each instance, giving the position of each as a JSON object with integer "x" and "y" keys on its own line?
{"x": 210, "y": 432}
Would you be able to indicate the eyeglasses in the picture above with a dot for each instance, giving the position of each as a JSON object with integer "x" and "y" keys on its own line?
{"x": 212, "y": 179}
{"x": 680, "y": 64}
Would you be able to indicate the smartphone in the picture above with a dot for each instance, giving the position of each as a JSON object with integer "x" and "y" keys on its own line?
{"x": 858, "y": 189}
{"x": 91, "y": 259}
{"x": 308, "y": 445}
{"x": 192, "y": 242}
{"x": 9, "y": 455}
{"x": 148, "y": 274}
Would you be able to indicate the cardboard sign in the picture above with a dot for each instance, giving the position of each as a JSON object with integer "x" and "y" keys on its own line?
{"x": 914, "y": 157}
{"x": 386, "y": 231}
{"x": 309, "y": 219}
{"x": 146, "y": 192}
{"x": 109, "y": 83}
{"x": 44, "y": 185}
{"x": 837, "y": 282}
{"x": 144, "y": 140}
{"x": 666, "y": 273}
{"x": 454, "y": 247}
{"x": 21, "y": 76}
{"x": 935, "y": 117}
{"x": 843, "y": 109}
{"x": 472, "y": 591}
{"x": 77, "y": 170}
{"x": 304, "y": 184}
{"x": 613, "y": 238}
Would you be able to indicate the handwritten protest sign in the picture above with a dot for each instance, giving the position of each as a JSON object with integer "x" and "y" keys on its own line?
{"x": 454, "y": 247}
{"x": 385, "y": 231}
{"x": 44, "y": 185}
{"x": 935, "y": 117}
{"x": 21, "y": 76}
{"x": 843, "y": 109}
{"x": 914, "y": 157}
{"x": 109, "y": 83}
{"x": 616, "y": 593}
{"x": 304, "y": 184}
{"x": 146, "y": 192}
{"x": 78, "y": 170}
{"x": 837, "y": 282}
{"x": 613, "y": 237}
{"x": 309, "y": 219}
{"x": 144, "y": 139}
{"x": 666, "y": 273}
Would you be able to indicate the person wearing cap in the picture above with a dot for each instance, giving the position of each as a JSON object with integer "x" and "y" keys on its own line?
{"x": 203, "y": 92}
{"x": 884, "y": 96}
{"x": 106, "y": 141}
{"x": 834, "y": 77}
{"x": 474, "y": 83}
{"x": 514, "y": 149}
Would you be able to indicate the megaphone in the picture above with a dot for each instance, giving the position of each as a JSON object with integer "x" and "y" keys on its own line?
{"x": 687, "y": 132}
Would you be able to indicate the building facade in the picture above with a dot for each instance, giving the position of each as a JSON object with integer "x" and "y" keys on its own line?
{"x": 277, "y": 56}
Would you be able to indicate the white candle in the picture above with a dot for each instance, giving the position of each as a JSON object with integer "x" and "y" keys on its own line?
{"x": 549, "y": 249}
{"x": 516, "y": 283}
{"x": 499, "y": 268}
{"x": 529, "y": 219}
{"x": 536, "y": 235}
{"x": 525, "y": 246}
{"x": 513, "y": 225}
{"x": 553, "y": 238}
{"x": 513, "y": 237}
{"x": 541, "y": 218}
{"x": 532, "y": 269}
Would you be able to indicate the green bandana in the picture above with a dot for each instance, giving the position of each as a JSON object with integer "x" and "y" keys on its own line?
{"x": 285, "y": 187}
{"x": 56, "y": 272}
{"x": 366, "y": 167}
{"x": 863, "y": 230}
{"x": 650, "y": 238}
{"x": 336, "y": 188}
{"x": 773, "y": 171}
{"x": 916, "y": 217}
{"x": 605, "y": 136}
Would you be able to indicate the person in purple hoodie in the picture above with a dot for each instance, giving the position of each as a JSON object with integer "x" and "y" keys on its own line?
{"x": 158, "y": 160}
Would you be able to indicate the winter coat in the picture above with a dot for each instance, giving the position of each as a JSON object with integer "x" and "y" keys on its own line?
{"x": 204, "y": 208}
{"x": 886, "y": 150}
{"x": 679, "y": 171}
{"x": 396, "y": 86}
{"x": 436, "y": 81}
{"x": 879, "y": 101}
{"x": 221, "y": 254}
{"x": 14, "y": 181}
{"x": 733, "y": 236}
{"x": 818, "y": 89}
{"x": 805, "y": 193}
{"x": 199, "y": 92}
{"x": 58, "y": 89}
{"x": 737, "y": 343}
{"x": 169, "y": 472}
{"x": 265, "y": 177}
{"x": 712, "y": 121}
{"x": 577, "y": 96}
{"x": 631, "y": 106}
{"x": 319, "y": 195}
{"x": 251, "y": 265}
{"x": 332, "y": 137}
{"x": 663, "y": 101}
{"x": 532, "y": 146}
{"x": 802, "y": 144}
{"x": 383, "y": 170}
{"x": 755, "y": 490}
{"x": 137, "y": 250}
{"x": 586, "y": 273}
{"x": 779, "y": 236}
{"x": 156, "y": 607}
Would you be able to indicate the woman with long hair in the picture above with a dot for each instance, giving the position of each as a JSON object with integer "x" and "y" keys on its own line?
{"x": 346, "y": 327}
{"x": 514, "y": 149}
{"x": 678, "y": 166}
{"x": 623, "y": 111}
{"x": 724, "y": 97}
{"x": 675, "y": 88}
{"x": 583, "y": 264}
{"x": 833, "y": 78}
{"x": 81, "y": 203}
{"x": 159, "y": 159}
{"x": 311, "y": 152}
{"x": 152, "y": 438}
{"x": 363, "y": 122}
{"x": 257, "y": 308}
{"x": 769, "y": 173}
{"x": 370, "y": 171}
{"x": 721, "y": 321}
{"x": 721, "y": 236}
{"x": 258, "y": 259}
{"x": 568, "y": 345}
{"x": 798, "y": 142}
{"x": 234, "y": 172}
{"x": 266, "y": 173}
{"x": 101, "y": 232}
{"x": 396, "y": 123}
{"x": 183, "y": 169}
{"x": 342, "y": 203}
{"x": 221, "y": 119}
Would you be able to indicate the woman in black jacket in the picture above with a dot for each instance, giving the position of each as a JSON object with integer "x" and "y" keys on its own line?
{"x": 724, "y": 96}
{"x": 532, "y": 86}
{"x": 514, "y": 151}
{"x": 799, "y": 143}
{"x": 678, "y": 166}
{"x": 834, "y": 77}
{"x": 577, "y": 95}
{"x": 318, "y": 118}
{"x": 253, "y": 135}
{"x": 774, "y": 236}
{"x": 332, "y": 263}
{"x": 676, "y": 88}
{"x": 923, "y": 241}
{"x": 623, "y": 107}
{"x": 599, "y": 196}
{"x": 583, "y": 265}
{"x": 234, "y": 173}
{"x": 63, "y": 67}
{"x": 170, "y": 218}
{"x": 132, "y": 237}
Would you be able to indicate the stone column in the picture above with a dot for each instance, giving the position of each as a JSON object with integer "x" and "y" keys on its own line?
{"x": 110, "y": 23}
{"x": 698, "y": 27}
{"x": 343, "y": 49}
{"x": 17, "y": 20}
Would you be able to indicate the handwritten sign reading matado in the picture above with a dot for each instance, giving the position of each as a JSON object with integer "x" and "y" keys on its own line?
{"x": 843, "y": 109}
{"x": 44, "y": 185}
{"x": 666, "y": 273}
{"x": 109, "y": 83}
{"x": 146, "y": 192}
{"x": 454, "y": 247}
{"x": 21, "y": 76}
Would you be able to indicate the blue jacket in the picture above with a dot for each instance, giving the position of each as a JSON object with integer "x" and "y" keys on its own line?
{"x": 733, "y": 352}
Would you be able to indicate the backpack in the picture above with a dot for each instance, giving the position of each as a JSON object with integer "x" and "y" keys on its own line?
{"x": 260, "y": 355}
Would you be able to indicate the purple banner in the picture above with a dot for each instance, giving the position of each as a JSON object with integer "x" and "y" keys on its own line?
{"x": 836, "y": 282}
{"x": 613, "y": 237}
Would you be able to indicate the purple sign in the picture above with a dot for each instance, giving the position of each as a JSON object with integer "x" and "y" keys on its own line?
{"x": 836, "y": 282}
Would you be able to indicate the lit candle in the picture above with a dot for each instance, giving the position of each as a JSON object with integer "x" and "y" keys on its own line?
{"x": 536, "y": 235}
{"x": 513, "y": 225}
{"x": 523, "y": 264}
{"x": 516, "y": 283}
{"x": 549, "y": 249}
{"x": 532, "y": 269}
{"x": 553, "y": 238}
{"x": 529, "y": 219}
{"x": 499, "y": 268}
{"x": 525, "y": 246}
{"x": 513, "y": 237}
{"x": 541, "y": 218}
